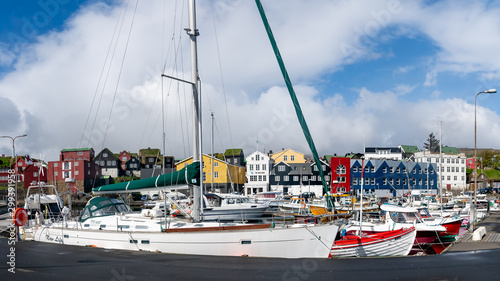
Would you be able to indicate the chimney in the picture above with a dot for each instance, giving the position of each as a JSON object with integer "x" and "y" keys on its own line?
{"x": 3, "y": 155}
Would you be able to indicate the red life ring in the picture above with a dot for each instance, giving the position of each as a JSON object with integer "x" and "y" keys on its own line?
{"x": 20, "y": 217}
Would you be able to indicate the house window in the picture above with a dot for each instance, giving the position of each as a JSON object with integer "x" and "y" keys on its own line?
{"x": 292, "y": 157}
{"x": 372, "y": 169}
{"x": 257, "y": 157}
{"x": 384, "y": 181}
{"x": 285, "y": 158}
{"x": 114, "y": 163}
{"x": 397, "y": 170}
{"x": 76, "y": 173}
{"x": 304, "y": 178}
{"x": 313, "y": 178}
{"x": 373, "y": 181}
{"x": 35, "y": 174}
{"x": 216, "y": 164}
{"x": 277, "y": 178}
{"x": 66, "y": 175}
{"x": 216, "y": 174}
{"x": 398, "y": 182}
{"x": 77, "y": 163}
{"x": 384, "y": 169}
{"x": 286, "y": 178}
{"x": 260, "y": 177}
{"x": 264, "y": 178}
{"x": 404, "y": 170}
{"x": 264, "y": 167}
{"x": 354, "y": 181}
{"x": 341, "y": 169}
{"x": 56, "y": 164}
{"x": 367, "y": 169}
{"x": 355, "y": 169}
{"x": 295, "y": 178}
{"x": 124, "y": 158}
{"x": 105, "y": 154}
{"x": 257, "y": 167}
{"x": 404, "y": 181}
{"x": 281, "y": 168}
{"x": 80, "y": 153}
{"x": 151, "y": 160}
{"x": 391, "y": 181}
{"x": 391, "y": 170}
{"x": 108, "y": 163}
{"x": 367, "y": 181}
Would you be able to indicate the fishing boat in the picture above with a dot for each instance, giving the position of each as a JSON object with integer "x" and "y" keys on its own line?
{"x": 109, "y": 223}
{"x": 384, "y": 244}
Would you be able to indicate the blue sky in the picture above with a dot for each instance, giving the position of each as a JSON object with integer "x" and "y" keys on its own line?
{"x": 374, "y": 73}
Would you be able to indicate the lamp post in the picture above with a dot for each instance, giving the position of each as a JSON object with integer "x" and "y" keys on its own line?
{"x": 15, "y": 168}
{"x": 490, "y": 91}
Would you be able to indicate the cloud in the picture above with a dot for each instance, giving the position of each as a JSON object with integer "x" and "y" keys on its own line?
{"x": 84, "y": 86}
{"x": 430, "y": 78}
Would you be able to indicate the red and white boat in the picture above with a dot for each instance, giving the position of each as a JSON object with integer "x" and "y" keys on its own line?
{"x": 389, "y": 243}
{"x": 451, "y": 223}
{"x": 396, "y": 217}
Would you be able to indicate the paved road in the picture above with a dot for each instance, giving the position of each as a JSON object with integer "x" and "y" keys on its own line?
{"x": 41, "y": 261}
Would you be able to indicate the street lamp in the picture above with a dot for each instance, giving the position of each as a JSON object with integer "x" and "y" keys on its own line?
{"x": 15, "y": 168}
{"x": 490, "y": 91}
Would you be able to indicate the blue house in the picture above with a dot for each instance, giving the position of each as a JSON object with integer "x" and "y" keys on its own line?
{"x": 392, "y": 178}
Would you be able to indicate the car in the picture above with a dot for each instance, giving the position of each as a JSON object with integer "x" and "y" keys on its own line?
{"x": 155, "y": 197}
{"x": 145, "y": 197}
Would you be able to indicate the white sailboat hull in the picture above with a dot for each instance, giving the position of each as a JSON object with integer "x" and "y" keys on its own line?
{"x": 293, "y": 242}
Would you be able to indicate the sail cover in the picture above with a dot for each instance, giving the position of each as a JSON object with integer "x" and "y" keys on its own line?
{"x": 189, "y": 175}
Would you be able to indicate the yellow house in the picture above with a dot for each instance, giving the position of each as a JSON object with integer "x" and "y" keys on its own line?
{"x": 223, "y": 174}
{"x": 288, "y": 156}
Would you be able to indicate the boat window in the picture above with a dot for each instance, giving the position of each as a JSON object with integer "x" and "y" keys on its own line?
{"x": 424, "y": 213}
{"x": 412, "y": 216}
{"x": 85, "y": 214}
{"x": 398, "y": 217}
{"x": 109, "y": 210}
{"x": 230, "y": 201}
{"x": 141, "y": 227}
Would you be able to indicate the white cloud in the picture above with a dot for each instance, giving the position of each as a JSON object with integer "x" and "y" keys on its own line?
{"x": 430, "y": 78}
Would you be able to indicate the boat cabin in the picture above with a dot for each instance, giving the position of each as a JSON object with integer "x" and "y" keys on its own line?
{"x": 102, "y": 206}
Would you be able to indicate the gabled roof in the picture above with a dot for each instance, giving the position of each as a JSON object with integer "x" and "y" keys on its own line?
{"x": 76, "y": 149}
{"x": 233, "y": 152}
{"x": 149, "y": 152}
{"x": 410, "y": 148}
{"x": 449, "y": 150}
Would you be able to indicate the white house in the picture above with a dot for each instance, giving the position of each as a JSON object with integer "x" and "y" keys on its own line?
{"x": 257, "y": 173}
{"x": 451, "y": 168}
{"x": 388, "y": 153}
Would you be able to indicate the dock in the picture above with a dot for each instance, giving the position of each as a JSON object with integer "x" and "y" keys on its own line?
{"x": 489, "y": 242}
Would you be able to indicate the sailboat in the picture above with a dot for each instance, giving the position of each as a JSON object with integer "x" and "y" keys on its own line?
{"x": 109, "y": 223}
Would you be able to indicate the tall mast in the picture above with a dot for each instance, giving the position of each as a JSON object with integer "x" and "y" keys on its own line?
{"x": 193, "y": 33}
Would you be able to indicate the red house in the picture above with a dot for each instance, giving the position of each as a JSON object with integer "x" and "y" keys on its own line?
{"x": 471, "y": 164}
{"x": 34, "y": 174}
{"x": 74, "y": 170}
{"x": 124, "y": 157}
{"x": 341, "y": 174}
